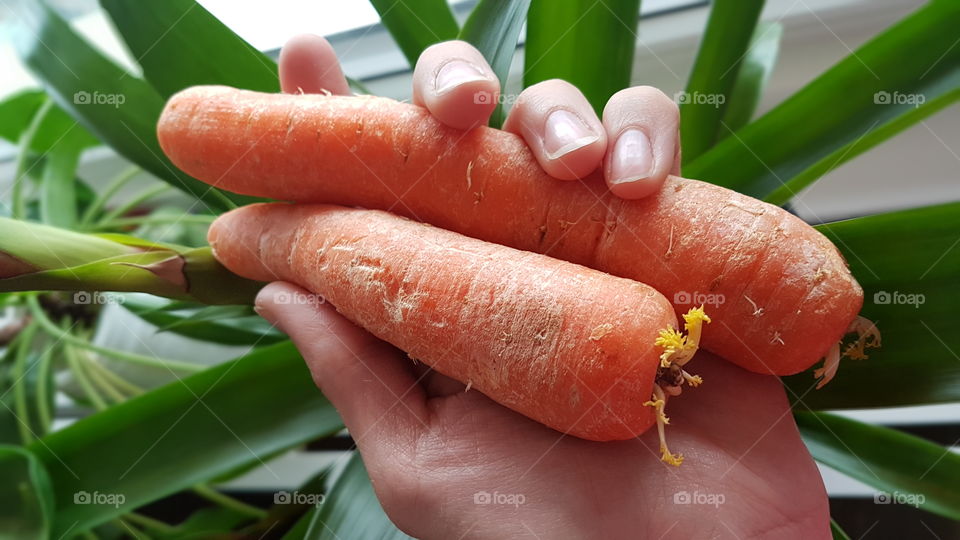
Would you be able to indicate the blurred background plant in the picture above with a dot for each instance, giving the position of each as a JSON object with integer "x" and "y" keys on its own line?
{"x": 96, "y": 424}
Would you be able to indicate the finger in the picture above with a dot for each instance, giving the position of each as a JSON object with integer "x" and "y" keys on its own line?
{"x": 368, "y": 381}
{"x": 309, "y": 65}
{"x": 642, "y": 126}
{"x": 560, "y": 127}
{"x": 454, "y": 82}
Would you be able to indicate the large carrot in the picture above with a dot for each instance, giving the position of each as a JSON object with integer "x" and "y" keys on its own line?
{"x": 781, "y": 293}
{"x": 574, "y": 348}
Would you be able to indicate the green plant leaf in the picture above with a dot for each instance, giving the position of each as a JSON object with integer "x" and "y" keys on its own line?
{"x": 837, "y": 532}
{"x": 232, "y": 330}
{"x": 58, "y": 193}
{"x": 120, "y": 109}
{"x": 858, "y": 103}
{"x": 493, "y": 28}
{"x": 417, "y": 24}
{"x": 184, "y": 433}
{"x": 908, "y": 263}
{"x": 725, "y": 43}
{"x": 752, "y": 78}
{"x": 179, "y": 44}
{"x": 16, "y": 112}
{"x": 205, "y": 523}
{"x": 588, "y": 43}
{"x": 26, "y": 498}
{"x": 906, "y": 468}
{"x": 351, "y": 509}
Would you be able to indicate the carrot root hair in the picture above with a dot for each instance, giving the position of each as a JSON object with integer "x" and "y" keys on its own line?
{"x": 678, "y": 349}
{"x": 868, "y": 337}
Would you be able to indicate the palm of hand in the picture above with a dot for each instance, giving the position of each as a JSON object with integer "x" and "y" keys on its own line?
{"x": 450, "y": 463}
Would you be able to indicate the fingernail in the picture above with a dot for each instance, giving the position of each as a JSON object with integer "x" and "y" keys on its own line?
{"x": 456, "y": 73}
{"x": 632, "y": 157}
{"x": 564, "y": 133}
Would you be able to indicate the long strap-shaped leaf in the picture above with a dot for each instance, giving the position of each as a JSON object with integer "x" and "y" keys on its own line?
{"x": 182, "y": 434}
{"x": 417, "y": 24}
{"x": 724, "y": 46}
{"x": 179, "y": 44}
{"x": 493, "y": 28}
{"x": 26, "y": 511}
{"x": 909, "y": 266}
{"x": 863, "y": 100}
{"x": 755, "y": 71}
{"x": 352, "y": 510}
{"x": 589, "y": 43}
{"x": 120, "y": 109}
{"x": 907, "y": 469}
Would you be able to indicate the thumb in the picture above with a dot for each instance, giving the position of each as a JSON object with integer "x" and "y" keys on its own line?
{"x": 368, "y": 381}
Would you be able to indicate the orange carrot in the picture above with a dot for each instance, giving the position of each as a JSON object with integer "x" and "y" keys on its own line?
{"x": 571, "y": 347}
{"x": 780, "y": 292}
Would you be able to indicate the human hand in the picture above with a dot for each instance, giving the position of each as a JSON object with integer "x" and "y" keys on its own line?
{"x": 447, "y": 462}
{"x": 637, "y": 141}
{"x": 431, "y": 447}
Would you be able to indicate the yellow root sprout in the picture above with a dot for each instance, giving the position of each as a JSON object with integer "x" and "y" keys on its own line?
{"x": 678, "y": 349}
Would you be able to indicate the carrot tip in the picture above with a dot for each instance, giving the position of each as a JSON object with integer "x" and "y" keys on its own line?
{"x": 868, "y": 337}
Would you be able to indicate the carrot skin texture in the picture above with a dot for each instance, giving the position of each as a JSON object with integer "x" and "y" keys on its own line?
{"x": 783, "y": 293}
{"x": 568, "y": 346}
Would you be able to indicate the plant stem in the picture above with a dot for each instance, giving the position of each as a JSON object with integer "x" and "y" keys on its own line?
{"x": 19, "y": 210}
{"x": 154, "y": 220}
{"x": 24, "y": 341}
{"x": 47, "y": 325}
{"x": 88, "y": 389}
{"x": 115, "y": 380}
{"x": 150, "y": 523}
{"x": 144, "y": 195}
{"x": 226, "y": 501}
{"x": 98, "y": 379}
{"x": 112, "y": 188}
{"x": 43, "y": 376}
